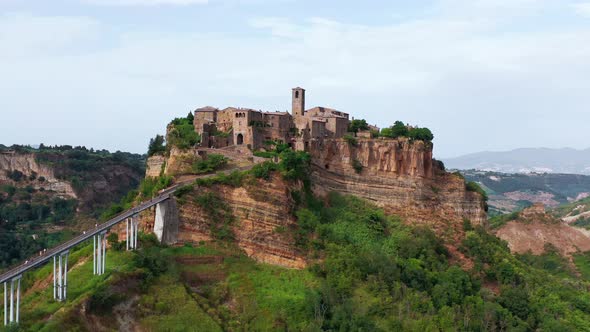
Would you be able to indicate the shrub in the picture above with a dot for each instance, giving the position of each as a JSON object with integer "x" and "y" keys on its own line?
{"x": 295, "y": 165}
{"x": 103, "y": 300}
{"x": 183, "y": 190}
{"x": 475, "y": 187}
{"x": 422, "y": 134}
{"x": 15, "y": 175}
{"x": 357, "y": 124}
{"x": 211, "y": 163}
{"x": 113, "y": 240}
{"x": 182, "y": 134}
{"x": 399, "y": 129}
{"x": 264, "y": 170}
{"x": 351, "y": 140}
{"x": 265, "y": 154}
{"x": 357, "y": 165}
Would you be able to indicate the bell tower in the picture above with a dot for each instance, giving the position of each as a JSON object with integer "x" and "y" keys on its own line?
{"x": 298, "y": 101}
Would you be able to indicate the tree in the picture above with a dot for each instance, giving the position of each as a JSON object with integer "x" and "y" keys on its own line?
{"x": 422, "y": 134}
{"x": 399, "y": 129}
{"x": 190, "y": 117}
{"x": 358, "y": 124}
{"x": 156, "y": 145}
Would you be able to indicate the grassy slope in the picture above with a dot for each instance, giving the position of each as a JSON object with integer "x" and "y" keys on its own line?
{"x": 377, "y": 274}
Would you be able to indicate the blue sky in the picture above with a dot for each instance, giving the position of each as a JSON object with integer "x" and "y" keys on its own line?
{"x": 482, "y": 74}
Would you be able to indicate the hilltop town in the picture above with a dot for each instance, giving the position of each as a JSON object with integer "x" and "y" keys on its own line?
{"x": 300, "y": 129}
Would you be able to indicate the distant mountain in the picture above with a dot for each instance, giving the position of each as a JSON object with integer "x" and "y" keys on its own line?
{"x": 526, "y": 160}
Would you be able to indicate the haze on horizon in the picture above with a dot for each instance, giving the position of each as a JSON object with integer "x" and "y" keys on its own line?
{"x": 482, "y": 74}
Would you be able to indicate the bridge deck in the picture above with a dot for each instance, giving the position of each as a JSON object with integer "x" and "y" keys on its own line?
{"x": 39, "y": 260}
{"x": 44, "y": 257}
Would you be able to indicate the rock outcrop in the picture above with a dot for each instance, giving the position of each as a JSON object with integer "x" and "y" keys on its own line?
{"x": 261, "y": 213}
{"x": 44, "y": 176}
{"x": 398, "y": 175}
{"x": 154, "y": 166}
{"x": 534, "y": 229}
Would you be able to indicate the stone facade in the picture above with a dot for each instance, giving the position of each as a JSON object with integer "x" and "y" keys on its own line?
{"x": 243, "y": 126}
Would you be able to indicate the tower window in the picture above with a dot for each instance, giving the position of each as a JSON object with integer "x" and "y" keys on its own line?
{"x": 296, "y": 94}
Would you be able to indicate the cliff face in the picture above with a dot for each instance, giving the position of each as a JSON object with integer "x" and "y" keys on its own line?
{"x": 154, "y": 166}
{"x": 26, "y": 164}
{"x": 534, "y": 228}
{"x": 261, "y": 212}
{"x": 399, "y": 176}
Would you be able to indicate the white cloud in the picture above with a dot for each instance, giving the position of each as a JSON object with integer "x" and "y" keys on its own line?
{"x": 477, "y": 85}
{"x": 146, "y": 2}
{"x": 582, "y": 8}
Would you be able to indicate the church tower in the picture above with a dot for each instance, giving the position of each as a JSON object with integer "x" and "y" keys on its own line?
{"x": 298, "y": 103}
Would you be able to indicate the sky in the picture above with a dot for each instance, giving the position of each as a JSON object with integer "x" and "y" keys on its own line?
{"x": 481, "y": 74}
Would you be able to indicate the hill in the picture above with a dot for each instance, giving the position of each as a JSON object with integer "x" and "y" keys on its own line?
{"x": 511, "y": 192}
{"x": 356, "y": 234}
{"x": 48, "y": 193}
{"x": 526, "y": 160}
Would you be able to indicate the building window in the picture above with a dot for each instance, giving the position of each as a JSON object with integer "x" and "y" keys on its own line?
{"x": 296, "y": 94}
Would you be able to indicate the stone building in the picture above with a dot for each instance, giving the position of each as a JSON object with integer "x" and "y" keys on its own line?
{"x": 243, "y": 126}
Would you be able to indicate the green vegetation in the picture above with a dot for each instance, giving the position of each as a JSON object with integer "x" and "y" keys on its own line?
{"x": 475, "y": 187}
{"x": 501, "y": 220}
{"x": 357, "y": 165}
{"x": 85, "y": 168}
{"x": 258, "y": 124}
{"x": 210, "y": 163}
{"x": 582, "y": 262}
{"x": 558, "y": 187}
{"x": 25, "y": 213}
{"x": 357, "y": 125}
{"x": 375, "y": 274}
{"x": 148, "y": 188}
{"x": 156, "y": 146}
{"x": 399, "y": 129}
{"x": 273, "y": 149}
{"x": 351, "y": 140}
{"x": 550, "y": 261}
{"x": 219, "y": 213}
{"x": 181, "y": 133}
{"x": 582, "y": 222}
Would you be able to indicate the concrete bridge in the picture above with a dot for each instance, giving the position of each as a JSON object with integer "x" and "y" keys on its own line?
{"x": 165, "y": 229}
{"x": 165, "y": 226}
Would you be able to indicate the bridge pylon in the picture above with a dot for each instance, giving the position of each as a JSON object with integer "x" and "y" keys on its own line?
{"x": 11, "y": 314}
{"x": 99, "y": 253}
{"x": 60, "y": 276}
{"x": 132, "y": 227}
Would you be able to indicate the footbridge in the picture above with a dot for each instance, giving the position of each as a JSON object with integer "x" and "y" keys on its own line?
{"x": 12, "y": 278}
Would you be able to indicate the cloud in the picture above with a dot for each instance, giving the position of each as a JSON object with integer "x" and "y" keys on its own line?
{"x": 146, "y": 2}
{"x": 477, "y": 84}
{"x": 582, "y": 8}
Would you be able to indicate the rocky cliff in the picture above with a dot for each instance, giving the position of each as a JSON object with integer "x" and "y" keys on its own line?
{"x": 258, "y": 214}
{"x": 533, "y": 229}
{"x": 38, "y": 175}
{"x": 398, "y": 175}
